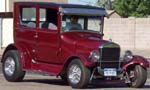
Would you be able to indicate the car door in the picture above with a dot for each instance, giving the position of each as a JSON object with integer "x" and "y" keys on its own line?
{"x": 48, "y": 36}
{"x": 26, "y": 28}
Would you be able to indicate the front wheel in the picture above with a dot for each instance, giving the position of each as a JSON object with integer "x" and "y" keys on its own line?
{"x": 138, "y": 77}
{"x": 78, "y": 75}
{"x": 11, "y": 66}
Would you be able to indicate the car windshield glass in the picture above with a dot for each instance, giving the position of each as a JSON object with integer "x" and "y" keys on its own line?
{"x": 82, "y": 23}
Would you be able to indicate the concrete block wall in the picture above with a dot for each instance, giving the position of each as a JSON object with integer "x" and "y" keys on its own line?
{"x": 142, "y": 33}
{"x": 130, "y": 33}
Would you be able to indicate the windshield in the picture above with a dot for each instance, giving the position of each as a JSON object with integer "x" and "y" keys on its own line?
{"x": 82, "y": 23}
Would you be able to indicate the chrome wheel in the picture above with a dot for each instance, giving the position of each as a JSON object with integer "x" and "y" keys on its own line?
{"x": 9, "y": 66}
{"x": 75, "y": 74}
{"x": 78, "y": 75}
{"x": 12, "y": 66}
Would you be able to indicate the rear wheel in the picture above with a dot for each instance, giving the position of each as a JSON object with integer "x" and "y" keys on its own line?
{"x": 78, "y": 75}
{"x": 11, "y": 66}
{"x": 137, "y": 76}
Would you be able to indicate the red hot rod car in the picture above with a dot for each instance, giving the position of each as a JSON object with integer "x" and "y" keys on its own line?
{"x": 67, "y": 40}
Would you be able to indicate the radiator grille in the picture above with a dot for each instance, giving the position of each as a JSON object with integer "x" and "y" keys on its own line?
{"x": 110, "y": 54}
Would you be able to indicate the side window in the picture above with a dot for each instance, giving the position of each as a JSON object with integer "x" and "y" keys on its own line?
{"x": 94, "y": 23}
{"x": 48, "y": 19}
{"x": 28, "y": 17}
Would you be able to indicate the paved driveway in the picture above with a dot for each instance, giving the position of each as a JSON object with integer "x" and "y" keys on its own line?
{"x": 38, "y": 82}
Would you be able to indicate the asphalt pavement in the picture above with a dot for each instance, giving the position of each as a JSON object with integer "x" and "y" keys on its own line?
{"x": 39, "y": 82}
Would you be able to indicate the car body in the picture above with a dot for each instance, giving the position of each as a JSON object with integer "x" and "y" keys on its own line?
{"x": 43, "y": 43}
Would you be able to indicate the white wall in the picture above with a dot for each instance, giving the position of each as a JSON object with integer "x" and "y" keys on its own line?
{"x": 7, "y": 5}
{"x": 7, "y": 32}
{"x": 2, "y": 6}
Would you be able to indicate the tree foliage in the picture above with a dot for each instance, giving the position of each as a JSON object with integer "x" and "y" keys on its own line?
{"x": 104, "y": 4}
{"x": 136, "y": 8}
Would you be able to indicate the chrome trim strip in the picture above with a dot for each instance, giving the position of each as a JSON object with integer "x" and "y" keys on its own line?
{"x": 111, "y": 43}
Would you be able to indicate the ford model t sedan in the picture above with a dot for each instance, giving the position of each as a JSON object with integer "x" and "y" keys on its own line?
{"x": 67, "y": 40}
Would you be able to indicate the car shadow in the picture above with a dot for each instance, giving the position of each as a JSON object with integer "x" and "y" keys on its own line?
{"x": 48, "y": 81}
{"x": 146, "y": 86}
{"x": 94, "y": 85}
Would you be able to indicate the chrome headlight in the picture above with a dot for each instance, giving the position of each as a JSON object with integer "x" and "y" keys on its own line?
{"x": 128, "y": 56}
{"x": 94, "y": 56}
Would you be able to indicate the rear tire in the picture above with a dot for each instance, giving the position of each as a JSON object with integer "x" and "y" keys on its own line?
{"x": 12, "y": 68}
{"x": 140, "y": 77}
{"x": 78, "y": 75}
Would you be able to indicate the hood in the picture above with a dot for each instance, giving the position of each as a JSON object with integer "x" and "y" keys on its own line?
{"x": 83, "y": 40}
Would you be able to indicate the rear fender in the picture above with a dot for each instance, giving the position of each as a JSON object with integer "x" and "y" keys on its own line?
{"x": 24, "y": 55}
{"x": 9, "y": 47}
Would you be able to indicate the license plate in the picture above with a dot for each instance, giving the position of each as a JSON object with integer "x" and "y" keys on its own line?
{"x": 110, "y": 72}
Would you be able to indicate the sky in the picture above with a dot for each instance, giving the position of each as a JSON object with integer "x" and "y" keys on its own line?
{"x": 84, "y": 2}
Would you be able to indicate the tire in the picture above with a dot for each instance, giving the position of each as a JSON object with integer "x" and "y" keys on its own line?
{"x": 139, "y": 78}
{"x": 77, "y": 70}
{"x": 11, "y": 66}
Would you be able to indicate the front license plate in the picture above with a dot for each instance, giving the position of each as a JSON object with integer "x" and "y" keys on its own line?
{"x": 110, "y": 72}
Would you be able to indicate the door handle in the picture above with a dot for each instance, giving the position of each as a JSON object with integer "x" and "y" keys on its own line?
{"x": 36, "y": 36}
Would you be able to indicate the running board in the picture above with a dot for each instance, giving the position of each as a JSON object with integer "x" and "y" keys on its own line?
{"x": 45, "y": 68}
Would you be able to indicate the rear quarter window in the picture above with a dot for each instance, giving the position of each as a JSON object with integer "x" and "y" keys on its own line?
{"x": 28, "y": 17}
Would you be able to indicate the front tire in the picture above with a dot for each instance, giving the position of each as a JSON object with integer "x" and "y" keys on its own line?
{"x": 11, "y": 66}
{"x": 138, "y": 77}
{"x": 78, "y": 75}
